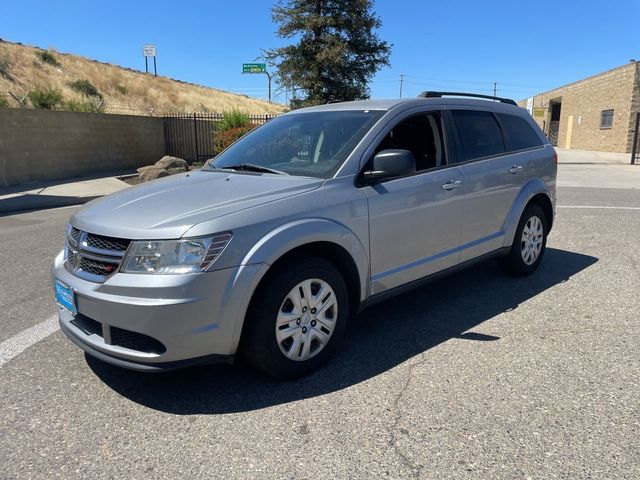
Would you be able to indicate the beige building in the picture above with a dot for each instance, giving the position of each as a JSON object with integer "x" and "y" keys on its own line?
{"x": 597, "y": 113}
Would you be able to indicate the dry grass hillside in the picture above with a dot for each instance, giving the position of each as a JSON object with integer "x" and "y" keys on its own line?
{"x": 125, "y": 91}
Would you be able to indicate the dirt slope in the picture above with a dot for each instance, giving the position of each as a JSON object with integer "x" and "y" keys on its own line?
{"x": 123, "y": 90}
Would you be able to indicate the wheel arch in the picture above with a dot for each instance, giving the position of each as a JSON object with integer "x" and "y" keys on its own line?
{"x": 313, "y": 237}
{"x": 534, "y": 191}
{"x": 544, "y": 202}
{"x": 332, "y": 252}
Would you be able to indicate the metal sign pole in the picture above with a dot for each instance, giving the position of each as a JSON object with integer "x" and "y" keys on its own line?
{"x": 146, "y": 64}
{"x": 155, "y": 70}
{"x": 269, "y": 77}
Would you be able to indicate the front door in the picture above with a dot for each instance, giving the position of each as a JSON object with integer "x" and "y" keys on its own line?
{"x": 415, "y": 221}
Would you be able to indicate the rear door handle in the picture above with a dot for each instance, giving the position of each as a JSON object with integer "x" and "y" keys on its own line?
{"x": 452, "y": 184}
{"x": 516, "y": 169}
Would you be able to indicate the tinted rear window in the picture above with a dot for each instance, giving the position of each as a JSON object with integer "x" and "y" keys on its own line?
{"x": 479, "y": 134}
{"x": 518, "y": 134}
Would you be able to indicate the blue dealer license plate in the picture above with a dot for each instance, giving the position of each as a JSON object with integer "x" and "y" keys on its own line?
{"x": 65, "y": 297}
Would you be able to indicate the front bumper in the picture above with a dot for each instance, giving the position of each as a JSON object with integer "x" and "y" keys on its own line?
{"x": 187, "y": 319}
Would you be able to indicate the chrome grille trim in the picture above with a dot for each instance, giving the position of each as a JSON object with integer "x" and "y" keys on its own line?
{"x": 89, "y": 257}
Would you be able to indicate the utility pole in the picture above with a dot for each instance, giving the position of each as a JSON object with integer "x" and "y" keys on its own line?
{"x": 495, "y": 88}
{"x": 401, "y": 82}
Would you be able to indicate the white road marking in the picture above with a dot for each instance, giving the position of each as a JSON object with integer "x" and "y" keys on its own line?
{"x": 603, "y": 207}
{"x": 20, "y": 342}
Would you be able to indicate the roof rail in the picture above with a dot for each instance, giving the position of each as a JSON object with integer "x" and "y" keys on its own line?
{"x": 462, "y": 94}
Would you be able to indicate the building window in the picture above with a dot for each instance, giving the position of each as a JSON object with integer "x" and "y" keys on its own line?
{"x": 606, "y": 118}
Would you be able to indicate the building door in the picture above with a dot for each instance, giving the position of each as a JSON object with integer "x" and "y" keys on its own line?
{"x": 554, "y": 123}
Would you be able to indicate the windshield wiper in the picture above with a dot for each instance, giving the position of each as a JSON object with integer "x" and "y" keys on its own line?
{"x": 252, "y": 167}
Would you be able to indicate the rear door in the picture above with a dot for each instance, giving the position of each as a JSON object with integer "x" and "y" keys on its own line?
{"x": 493, "y": 179}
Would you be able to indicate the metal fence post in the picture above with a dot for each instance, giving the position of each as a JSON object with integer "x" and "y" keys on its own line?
{"x": 195, "y": 134}
{"x": 634, "y": 147}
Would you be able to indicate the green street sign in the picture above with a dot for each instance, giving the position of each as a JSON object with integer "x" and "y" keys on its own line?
{"x": 254, "y": 68}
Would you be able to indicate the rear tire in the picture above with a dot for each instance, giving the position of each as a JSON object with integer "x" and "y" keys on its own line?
{"x": 297, "y": 318}
{"x": 529, "y": 242}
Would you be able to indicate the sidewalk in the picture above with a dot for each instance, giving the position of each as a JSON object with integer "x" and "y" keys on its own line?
{"x": 59, "y": 193}
{"x": 590, "y": 157}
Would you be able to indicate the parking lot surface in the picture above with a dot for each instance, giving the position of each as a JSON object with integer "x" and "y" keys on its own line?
{"x": 478, "y": 375}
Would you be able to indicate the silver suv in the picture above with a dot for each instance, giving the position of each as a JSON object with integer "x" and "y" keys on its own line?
{"x": 276, "y": 243}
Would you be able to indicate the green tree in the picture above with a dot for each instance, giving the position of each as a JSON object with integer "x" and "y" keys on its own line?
{"x": 337, "y": 51}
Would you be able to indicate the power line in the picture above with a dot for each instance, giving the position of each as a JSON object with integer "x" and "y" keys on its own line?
{"x": 418, "y": 77}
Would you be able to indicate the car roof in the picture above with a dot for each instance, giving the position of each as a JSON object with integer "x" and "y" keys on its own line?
{"x": 390, "y": 104}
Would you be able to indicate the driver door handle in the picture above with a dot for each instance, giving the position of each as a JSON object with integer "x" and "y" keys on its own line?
{"x": 516, "y": 169}
{"x": 452, "y": 184}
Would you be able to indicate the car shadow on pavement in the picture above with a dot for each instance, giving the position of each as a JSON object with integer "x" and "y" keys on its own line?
{"x": 379, "y": 339}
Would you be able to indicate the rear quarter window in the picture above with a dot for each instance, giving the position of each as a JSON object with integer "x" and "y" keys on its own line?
{"x": 479, "y": 134}
{"x": 518, "y": 133}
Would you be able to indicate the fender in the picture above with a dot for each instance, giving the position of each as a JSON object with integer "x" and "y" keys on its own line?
{"x": 532, "y": 188}
{"x": 297, "y": 233}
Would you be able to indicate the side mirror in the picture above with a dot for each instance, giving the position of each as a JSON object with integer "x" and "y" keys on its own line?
{"x": 391, "y": 163}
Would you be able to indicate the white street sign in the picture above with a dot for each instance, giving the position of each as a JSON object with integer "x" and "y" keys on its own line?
{"x": 149, "y": 50}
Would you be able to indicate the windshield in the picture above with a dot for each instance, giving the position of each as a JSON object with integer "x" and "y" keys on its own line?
{"x": 313, "y": 144}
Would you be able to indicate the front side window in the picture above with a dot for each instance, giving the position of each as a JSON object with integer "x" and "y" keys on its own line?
{"x": 606, "y": 118}
{"x": 313, "y": 144}
{"x": 518, "y": 133}
{"x": 479, "y": 134}
{"x": 420, "y": 134}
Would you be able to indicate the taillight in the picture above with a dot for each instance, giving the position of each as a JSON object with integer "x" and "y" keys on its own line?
{"x": 555, "y": 157}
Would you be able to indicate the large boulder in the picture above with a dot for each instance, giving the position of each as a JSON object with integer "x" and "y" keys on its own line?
{"x": 152, "y": 172}
{"x": 172, "y": 164}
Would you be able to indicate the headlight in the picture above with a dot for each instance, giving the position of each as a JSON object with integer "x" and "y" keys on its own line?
{"x": 186, "y": 255}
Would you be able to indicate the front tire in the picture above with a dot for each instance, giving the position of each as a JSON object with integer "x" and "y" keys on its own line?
{"x": 529, "y": 242}
{"x": 297, "y": 318}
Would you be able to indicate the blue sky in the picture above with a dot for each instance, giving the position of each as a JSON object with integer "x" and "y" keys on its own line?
{"x": 525, "y": 47}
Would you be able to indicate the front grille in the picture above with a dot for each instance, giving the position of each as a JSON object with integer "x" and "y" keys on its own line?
{"x": 94, "y": 257}
{"x": 75, "y": 234}
{"x": 136, "y": 341}
{"x": 97, "y": 267}
{"x": 107, "y": 243}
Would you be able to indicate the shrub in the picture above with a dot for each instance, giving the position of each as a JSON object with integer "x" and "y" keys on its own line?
{"x": 45, "y": 98}
{"x": 223, "y": 138}
{"x": 121, "y": 89}
{"x": 3, "y": 101}
{"x": 233, "y": 119}
{"x": 91, "y": 106}
{"x": 86, "y": 88}
{"x": 48, "y": 57}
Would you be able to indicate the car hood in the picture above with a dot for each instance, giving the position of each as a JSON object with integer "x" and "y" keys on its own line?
{"x": 168, "y": 207}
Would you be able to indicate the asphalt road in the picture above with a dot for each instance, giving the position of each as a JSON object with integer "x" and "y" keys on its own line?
{"x": 477, "y": 376}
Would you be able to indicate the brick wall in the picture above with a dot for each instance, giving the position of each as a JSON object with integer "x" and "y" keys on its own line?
{"x": 617, "y": 89}
{"x": 38, "y": 145}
